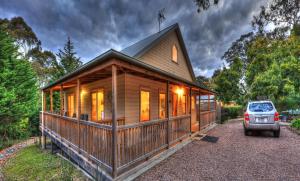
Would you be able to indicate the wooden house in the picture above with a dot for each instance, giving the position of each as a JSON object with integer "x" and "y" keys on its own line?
{"x": 124, "y": 107}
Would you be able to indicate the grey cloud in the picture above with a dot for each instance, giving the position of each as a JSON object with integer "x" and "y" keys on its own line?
{"x": 96, "y": 26}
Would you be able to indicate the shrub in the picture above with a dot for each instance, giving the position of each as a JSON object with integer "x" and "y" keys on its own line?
{"x": 296, "y": 124}
{"x": 231, "y": 112}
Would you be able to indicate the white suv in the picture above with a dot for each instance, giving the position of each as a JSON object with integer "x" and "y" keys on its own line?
{"x": 261, "y": 115}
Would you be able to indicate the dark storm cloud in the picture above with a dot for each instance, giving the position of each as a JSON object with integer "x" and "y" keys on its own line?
{"x": 96, "y": 26}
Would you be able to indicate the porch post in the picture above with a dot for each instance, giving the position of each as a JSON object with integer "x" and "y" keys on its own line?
{"x": 168, "y": 114}
{"x": 78, "y": 104}
{"x": 61, "y": 101}
{"x": 190, "y": 110}
{"x": 199, "y": 100}
{"x": 43, "y": 123}
{"x": 208, "y": 103}
{"x": 114, "y": 121}
{"x": 51, "y": 100}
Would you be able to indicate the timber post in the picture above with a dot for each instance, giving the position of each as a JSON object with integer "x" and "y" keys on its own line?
{"x": 199, "y": 100}
{"x": 61, "y": 100}
{"x": 78, "y": 112}
{"x": 51, "y": 100}
{"x": 43, "y": 122}
{"x": 168, "y": 114}
{"x": 190, "y": 110}
{"x": 114, "y": 122}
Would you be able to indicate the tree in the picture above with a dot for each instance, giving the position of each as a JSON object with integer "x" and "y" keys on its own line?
{"x": 205, "y": 4}
{"x": 282, "y": 13}
{"x": 18, "y": 29}
{"x": 68, "y": 61}
{"x": 18, "y": 86}
{"x": 227, "y": 82}
{"x": 44, "y": 64}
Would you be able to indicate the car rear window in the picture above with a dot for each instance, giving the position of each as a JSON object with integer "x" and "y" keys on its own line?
{"x": 261, "y": 107}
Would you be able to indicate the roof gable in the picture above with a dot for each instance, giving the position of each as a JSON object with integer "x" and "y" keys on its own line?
{"x": 140, "y": 48}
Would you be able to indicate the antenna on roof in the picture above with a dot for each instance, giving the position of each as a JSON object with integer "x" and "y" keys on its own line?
{"x": 161, "y": 17}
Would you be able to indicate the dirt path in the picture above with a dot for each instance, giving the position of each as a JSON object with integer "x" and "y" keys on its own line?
{"x": 234, "y": 157}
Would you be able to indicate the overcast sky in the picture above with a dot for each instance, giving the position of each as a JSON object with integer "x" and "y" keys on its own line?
{"x": 96, "y": 26}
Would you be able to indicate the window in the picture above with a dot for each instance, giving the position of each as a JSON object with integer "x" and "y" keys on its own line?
{"x": 145, "y": 105}
{"x": 98, "y": 105}
{"x": 71, "y": 105}
{"x": 162, "y": 106}
{"x": 174, "y": 53}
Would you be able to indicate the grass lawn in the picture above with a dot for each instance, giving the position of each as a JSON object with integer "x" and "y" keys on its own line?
{"x": 32, "y": 163}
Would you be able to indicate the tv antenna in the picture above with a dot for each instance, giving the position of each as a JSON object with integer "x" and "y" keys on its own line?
{"x": 161, "y": 17}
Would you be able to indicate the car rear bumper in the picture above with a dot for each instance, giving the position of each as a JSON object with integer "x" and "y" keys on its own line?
{"x": 273, "y": 127}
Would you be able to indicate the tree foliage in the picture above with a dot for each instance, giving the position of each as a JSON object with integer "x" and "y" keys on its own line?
{"x": 270, "y": 58}
{"x": 18, "y": 86}
{"x": 203, "y": 5}
{"x": 18, "y": 29}
{"x": 68, "y": 61}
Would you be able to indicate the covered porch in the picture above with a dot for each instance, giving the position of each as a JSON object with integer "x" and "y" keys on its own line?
{"x": 118, "y": 114}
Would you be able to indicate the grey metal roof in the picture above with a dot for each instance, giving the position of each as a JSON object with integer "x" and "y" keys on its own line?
{"x": 135, "y": 49}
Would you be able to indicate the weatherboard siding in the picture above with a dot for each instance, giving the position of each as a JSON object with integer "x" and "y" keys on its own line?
{"x": 133, "y": 85}
{"x": 105, "y": 84}
{"x": 160, "y": 56}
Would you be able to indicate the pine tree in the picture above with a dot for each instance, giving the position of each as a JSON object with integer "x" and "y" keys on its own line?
{"x": 68, "y": 61}
{"x": 18, "y": 86}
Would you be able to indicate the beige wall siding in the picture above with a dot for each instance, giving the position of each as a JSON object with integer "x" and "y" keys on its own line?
{"x": 161, "y": 56}
{"x": 133, "y": 85}
{"x": 86, "y": 89}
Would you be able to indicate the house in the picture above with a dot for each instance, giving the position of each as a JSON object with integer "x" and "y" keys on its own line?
{"x": 123, "y": 107}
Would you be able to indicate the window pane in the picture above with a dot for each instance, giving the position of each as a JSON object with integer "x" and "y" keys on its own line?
{"x": 162, "y": 106}
{"x": 174, "y": 53}
{"x": 100, "y": 102}
{"x": 145, "y": 106}
{"x": 94, "y": 106}
{"x": 70, "y": 105}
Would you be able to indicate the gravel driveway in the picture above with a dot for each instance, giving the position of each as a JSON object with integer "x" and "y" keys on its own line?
{"x": 233, "y": 157}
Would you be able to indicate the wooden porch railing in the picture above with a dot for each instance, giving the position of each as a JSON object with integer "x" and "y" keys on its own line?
{"x": 136, "y": 142}
{"x": 207, "y": 118}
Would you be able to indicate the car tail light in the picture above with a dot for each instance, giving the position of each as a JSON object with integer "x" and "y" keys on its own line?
{"x": 246, "y": 116}
{"x": 276, "y": 116}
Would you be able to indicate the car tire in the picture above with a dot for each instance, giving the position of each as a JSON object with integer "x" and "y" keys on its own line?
{"x": 246, "y": 132}
{"x": 277, "y": 133}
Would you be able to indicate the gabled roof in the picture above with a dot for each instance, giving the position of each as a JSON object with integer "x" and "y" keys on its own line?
{"x": 131, "y": 54}
{"x": 115, "y": 54}
{"x": 141, "y": 47}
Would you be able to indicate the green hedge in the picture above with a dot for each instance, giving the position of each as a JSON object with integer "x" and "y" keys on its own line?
{"x": 231, "y": 112}
{"x": 296, "y": 124}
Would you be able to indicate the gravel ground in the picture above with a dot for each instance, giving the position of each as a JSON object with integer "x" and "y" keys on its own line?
{"x": 233, "y": 157}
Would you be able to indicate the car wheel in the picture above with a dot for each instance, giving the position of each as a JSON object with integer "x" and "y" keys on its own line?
{"x": 277, "y": 133}
{"x": 246, "y": 132}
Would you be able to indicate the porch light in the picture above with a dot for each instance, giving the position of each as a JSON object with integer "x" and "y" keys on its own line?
{"x": 179, "y": 91}
{"x": 82, "y": 93}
